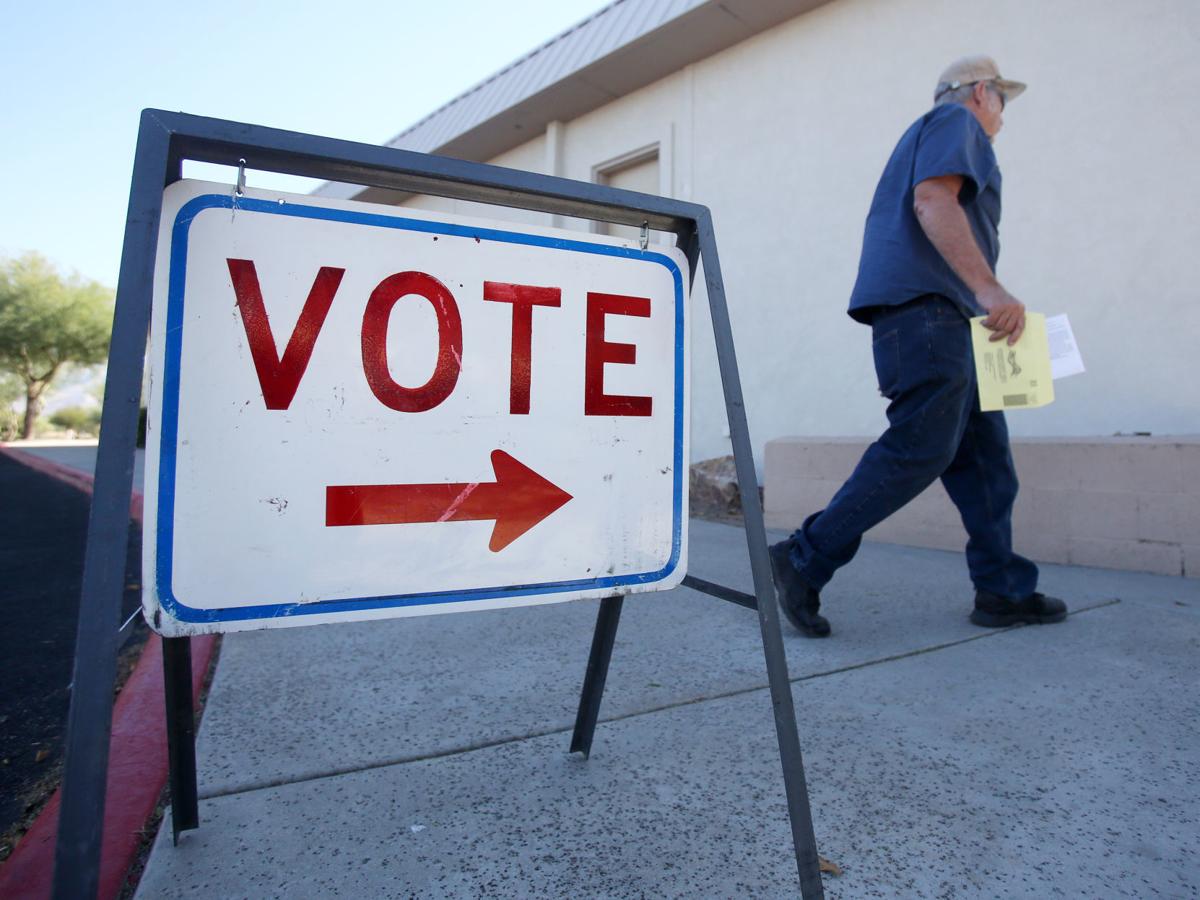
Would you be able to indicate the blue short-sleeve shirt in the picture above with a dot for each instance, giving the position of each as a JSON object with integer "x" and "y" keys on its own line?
{"x": 898, "y": 261}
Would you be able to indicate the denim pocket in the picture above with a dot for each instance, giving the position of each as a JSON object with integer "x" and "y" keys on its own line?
{"x": 886, "y": 349}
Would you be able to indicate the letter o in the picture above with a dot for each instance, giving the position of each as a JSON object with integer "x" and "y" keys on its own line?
{"x": 374, "y": 342}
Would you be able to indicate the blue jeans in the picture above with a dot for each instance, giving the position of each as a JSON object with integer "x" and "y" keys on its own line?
{"x": 936, "y": 430}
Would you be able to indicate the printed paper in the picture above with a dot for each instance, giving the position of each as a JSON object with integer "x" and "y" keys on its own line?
{"x": 1016, "y": 377}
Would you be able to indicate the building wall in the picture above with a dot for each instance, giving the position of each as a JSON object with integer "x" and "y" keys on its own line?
{"x": 1109, "y": 502}
{"x": 784, "y": 137}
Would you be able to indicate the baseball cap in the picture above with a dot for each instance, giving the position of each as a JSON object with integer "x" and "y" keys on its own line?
{"x": 971, "y": 69}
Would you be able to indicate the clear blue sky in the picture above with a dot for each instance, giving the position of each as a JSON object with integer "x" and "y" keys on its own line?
{"x": 74, "y": 77}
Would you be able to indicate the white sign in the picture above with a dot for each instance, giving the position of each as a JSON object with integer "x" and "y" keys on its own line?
{"x": 362, "y": 411}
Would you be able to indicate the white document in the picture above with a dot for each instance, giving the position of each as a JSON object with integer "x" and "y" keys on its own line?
{"x": 1064, "y": 352}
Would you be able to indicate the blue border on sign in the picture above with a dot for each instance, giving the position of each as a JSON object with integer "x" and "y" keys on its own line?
{"x": 170, "y": 413}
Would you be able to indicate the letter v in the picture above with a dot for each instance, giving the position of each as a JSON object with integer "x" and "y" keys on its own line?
{"x": 279, "y": 376}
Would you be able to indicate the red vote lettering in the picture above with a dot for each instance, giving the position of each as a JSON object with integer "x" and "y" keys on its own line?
{"x": 598, "y": 351}
{"x": 279, "y": 376}
{"x": 524, "y": 298}
{"x": 374, "y": 342}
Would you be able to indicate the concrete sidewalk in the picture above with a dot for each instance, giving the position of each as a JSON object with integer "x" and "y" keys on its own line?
{"x": 428, "y": 757}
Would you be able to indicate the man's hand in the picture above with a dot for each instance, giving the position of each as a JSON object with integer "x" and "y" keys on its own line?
{"x": 935, "y": 202}
{"x": 1006, "y": 314}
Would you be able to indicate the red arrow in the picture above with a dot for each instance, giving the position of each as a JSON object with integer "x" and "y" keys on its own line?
{"x": 518, "y": 499}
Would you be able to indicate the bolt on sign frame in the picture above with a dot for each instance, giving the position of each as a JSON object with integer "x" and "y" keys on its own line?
{"x": 165, "y": 140}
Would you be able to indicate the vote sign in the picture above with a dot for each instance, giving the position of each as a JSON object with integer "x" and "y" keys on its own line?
{"x": 362, "y": 411}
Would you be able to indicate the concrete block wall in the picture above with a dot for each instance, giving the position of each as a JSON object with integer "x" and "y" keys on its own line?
{"x": 1120, "y": 502}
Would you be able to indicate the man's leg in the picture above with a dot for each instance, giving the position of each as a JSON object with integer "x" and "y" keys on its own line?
{"x": 982, "y": 482}
{"x": 924, "y": 363}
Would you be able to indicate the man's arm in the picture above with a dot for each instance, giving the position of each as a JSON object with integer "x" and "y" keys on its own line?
{"x": 935, "y": 202}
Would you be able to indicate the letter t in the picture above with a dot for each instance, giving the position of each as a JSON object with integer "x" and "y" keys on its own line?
{"x": 523, "y": 298}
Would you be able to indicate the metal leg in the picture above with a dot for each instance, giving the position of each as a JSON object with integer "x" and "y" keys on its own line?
{"x": 795, "y": 786}
{"x": 181, "y": 735}
{"x": 597, "y": 671}
{"x": 720, "y": 591}
{"x": 89, "y": 723}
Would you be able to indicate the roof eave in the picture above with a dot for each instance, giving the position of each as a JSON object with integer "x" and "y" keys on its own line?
{"x": 694, "y": 35}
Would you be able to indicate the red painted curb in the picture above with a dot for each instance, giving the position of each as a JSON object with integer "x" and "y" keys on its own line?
{"x": 137, "y": 761}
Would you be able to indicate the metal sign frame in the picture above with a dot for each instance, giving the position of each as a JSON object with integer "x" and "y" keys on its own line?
{"x": 165, "y": 140}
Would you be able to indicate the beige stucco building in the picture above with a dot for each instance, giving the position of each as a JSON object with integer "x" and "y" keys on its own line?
{"x": 779, "y": 116}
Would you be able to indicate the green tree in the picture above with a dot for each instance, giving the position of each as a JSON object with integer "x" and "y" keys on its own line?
{"x": 10, "y": 392}
{"x": 46, "y": 322}
{"x": 81, "y": 420}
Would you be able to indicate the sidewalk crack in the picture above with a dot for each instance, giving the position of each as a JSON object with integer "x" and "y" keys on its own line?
{"x": 500, "y": 742}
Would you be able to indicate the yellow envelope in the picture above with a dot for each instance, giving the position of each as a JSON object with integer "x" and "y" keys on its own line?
{"x": 1016, "y": 377}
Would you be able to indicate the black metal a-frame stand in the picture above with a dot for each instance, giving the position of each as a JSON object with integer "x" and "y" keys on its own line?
{"x": 165, "y": 140}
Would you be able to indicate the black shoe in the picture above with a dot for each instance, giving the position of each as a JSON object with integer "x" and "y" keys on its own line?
{"x": 994, "y": 611}
{"x": 799, "y": 602}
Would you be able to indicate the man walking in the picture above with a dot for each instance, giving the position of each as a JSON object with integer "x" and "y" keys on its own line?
{"x": 928, "y": 264}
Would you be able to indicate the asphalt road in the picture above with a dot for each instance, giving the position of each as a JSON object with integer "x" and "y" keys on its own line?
{"x": 43, "y": 530}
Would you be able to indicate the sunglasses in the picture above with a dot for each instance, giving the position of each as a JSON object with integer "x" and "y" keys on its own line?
{"x": 999, "y": 93}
